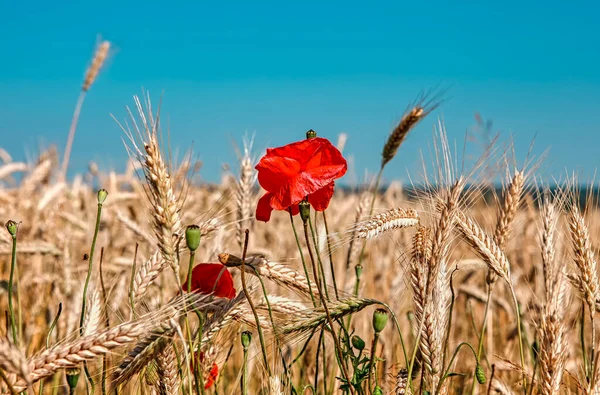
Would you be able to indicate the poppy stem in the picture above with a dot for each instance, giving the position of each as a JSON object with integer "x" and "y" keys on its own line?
{"x": 326, "y": 308}
{"x": 312, "y": 297}
{"x": 251, "y": 304}
{"x": 337, "y": 296}
{"x": 101, "y": 198}
{"x": 13, "y": 264}
{"x": 323, "y": 282}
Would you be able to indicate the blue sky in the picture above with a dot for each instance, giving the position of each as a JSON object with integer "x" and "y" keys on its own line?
{"x": 278, "y": 69}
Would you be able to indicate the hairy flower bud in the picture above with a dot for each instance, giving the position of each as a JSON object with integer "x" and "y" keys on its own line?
{"x": 246, "y": 339}
{"x": 380, "y": 319}
{"x": 358, "y": 343}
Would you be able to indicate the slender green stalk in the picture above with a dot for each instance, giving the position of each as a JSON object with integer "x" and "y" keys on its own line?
{"x": 324, "y": 303}
{"x": 452, "y": 361}
{"x": 11, "y": 312}
{"x": 322, "y": 283}
{"x": 106, "y": 319}
{"x": 277, "y": 340}
{"x": 482, "y": 334}
{"x": 252, "y": 306}
{"x": 324, "y": 368}
{"x": 244, "y": 382}
{"x": 397, "y": 325}
{"x": 50, "y": 330}
{"x": 586, "y": 366}
{"x": 372, "y": 362}
{"x": 132, "y": 281}
{"x": 90, "y": 267}
{"x": 312, "y": 297}
{"x": 102, "y": 194}
{"x": 520, "y": 334}
{"x": 335, "y": 287}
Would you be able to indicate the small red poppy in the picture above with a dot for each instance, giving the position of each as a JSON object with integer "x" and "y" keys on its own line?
{"x": 211, "y": 278}
{"x": 210, "y": 377}
{"x": 304, "y": 169}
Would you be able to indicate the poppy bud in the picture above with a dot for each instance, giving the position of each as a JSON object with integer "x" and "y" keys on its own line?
{"x": 358, "y": 343}
{"x": 72, "y": 378}
{"x": 102, "y": 195}
{"x": 246, "y": 339}
{"x": 480, "y": 374}
{"x": 12, "y": 228}
{"x": 380, "y": 319}
{"x": 358, "y": 270}
{"x": 192, "y": 237}
{"x": 378, "y": 391}
{"x": 311, "y": 134}
{"x": 304, "y": 210}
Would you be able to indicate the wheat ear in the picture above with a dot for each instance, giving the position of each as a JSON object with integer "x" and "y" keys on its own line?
{"x": 379, "y": 224}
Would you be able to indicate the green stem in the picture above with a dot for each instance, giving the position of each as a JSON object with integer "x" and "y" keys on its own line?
{"x": 325, "y": 307}
{"x": 452, "y": 361}
{"x": 337, "y": 296}
{"x": 244, "y": 382}
{"x": 520, "y": 334}
{"x": 85, "y": 288}
{"x": 482, "y": 334}
{"x": 11, "y": 312}
{"x": 322, "y": 283}
{"x": 50, "y": 330}
{"x": 372, "y": 362}
{"x": 187, "y": 322}
{"x": 312, "y": 297}
{"x": 359, "y": 267}
{"x": 253, "y": 307}
{"x": 586, "y": 366}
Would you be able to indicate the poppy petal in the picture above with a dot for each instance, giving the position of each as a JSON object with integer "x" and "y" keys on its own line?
{"x": 305, "y": 184}
{"x": 320, "y": 199}
{"x": 212, "y": 376}
{"x": 263, "y": 208}
{"x": 212, "y": 278}
{"x": 275, "y": 171}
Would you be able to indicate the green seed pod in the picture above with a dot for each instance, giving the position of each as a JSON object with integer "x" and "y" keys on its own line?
{"x": 311, "y": 134}
{"x": 480, "y": 374}
{"x": 304, "y": 210}
{"x": 358, "y": 270}
{"x": 72, "y": 378}
{"x": 378, "y": 391}
{"x": 246, "y": 339}
{"x": 380, "y": 319}
{"x": 192, "y": 237}
{"x": 358, "y": 343}
{"x": 102, "y": 195}
{"x": 12, "y": 228}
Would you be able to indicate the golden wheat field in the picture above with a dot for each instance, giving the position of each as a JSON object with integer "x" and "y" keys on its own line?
{"x": 450, "y": 286}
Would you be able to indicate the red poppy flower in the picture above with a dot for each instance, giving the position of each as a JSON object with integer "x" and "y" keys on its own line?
{"x": 211, "y": 278}
{"x": 305, "y": 169}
